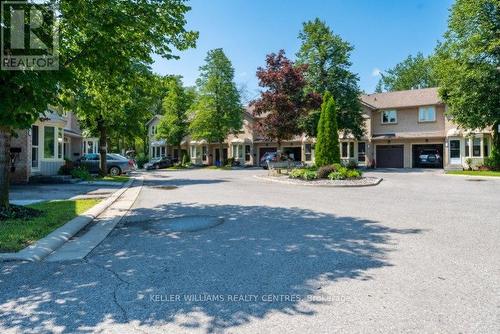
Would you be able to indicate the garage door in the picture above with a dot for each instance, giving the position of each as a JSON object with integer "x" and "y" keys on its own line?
{"x": 390, "y": 156}
{"x": 427, "y": 156}
{"x": 264, "y": 150}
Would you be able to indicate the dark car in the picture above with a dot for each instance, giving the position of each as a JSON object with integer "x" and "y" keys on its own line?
{"x": 115, "y": 163}
{"x": 157, "y": 163}
{"x": 430, "y": 158}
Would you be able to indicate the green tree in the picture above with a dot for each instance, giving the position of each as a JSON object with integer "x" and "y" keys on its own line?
{"x": 105, "y": 40}
{"x": 327, "y": 57}
{"x": 24, "y": 96}
{"x": 327, "y": 150}
{"x": 412, "y": 73}
{"x": 174, "y": 125}
{"x": 217, "y": 110}
{"x": 468, "y": 66}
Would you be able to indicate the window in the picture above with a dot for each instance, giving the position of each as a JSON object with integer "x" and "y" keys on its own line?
{"x": 204, "y": 153}
{"x": 237, "y": 151}
{"x": 49, "y": 142}
{"x": 351, "y": 150}
{"x": 34, "y": 146}
{"x": 345, "y": 150}
{"x": 361, "y": 152}
{"x": 247, "y": 153}
{"x": 467, "y": 147}
{"x": 476, "y": 147}
{"x": 60, "y": 143}
{"x": 389, "y": 117}
{"x": 176, "y": 153}
{"x": 193, "y": 152}
{"x": 427, "y": 114}
{"x": 308, "y": 152}
{"x": 486, "y": 148}
{"x": 163, "y": 151}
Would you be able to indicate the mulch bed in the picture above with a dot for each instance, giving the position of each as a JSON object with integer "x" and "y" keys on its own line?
{"x": 362, "y": 182}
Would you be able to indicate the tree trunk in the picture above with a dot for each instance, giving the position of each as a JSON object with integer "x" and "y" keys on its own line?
{"x": 4, "y": 167}
{"x": 495, "y": 150}
{"x": 221, "y": 153}
{"x": 103, "y": 171}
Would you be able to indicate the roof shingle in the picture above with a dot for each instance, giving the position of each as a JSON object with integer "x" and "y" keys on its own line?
{"x": 404, "y": 98}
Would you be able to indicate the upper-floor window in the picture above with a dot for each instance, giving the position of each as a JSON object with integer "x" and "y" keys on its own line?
{"x": 427, "y": 114}
{"x": 389, "y": 117}
{"x": 153, "y": 130}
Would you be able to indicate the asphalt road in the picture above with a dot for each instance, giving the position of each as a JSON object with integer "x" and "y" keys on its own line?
{"x": 416, "y": 254}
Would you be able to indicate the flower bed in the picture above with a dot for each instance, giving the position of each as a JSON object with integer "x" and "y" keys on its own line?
{"x": 330, "y": 175}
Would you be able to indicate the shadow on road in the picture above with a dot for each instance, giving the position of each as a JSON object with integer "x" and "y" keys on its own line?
{"x": 148, "y": 276}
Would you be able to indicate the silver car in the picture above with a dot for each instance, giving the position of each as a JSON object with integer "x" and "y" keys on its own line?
{"x": 115, "y": 163}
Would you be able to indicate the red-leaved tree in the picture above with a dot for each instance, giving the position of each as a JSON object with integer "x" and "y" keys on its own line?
{"x": 283, "y": 102}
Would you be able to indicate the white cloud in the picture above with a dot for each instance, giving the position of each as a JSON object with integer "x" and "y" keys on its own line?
{"x": 376, "y": 72}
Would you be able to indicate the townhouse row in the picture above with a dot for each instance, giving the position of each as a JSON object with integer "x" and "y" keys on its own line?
{"x": 399, "y": 126}
{"x": 43, "y": 148}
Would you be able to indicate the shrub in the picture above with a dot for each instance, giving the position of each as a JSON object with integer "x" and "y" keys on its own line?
{"x": 337, "y": 166}
{"x": 491, "y": 164}
{"x": 81, "y": 173}
{"x": 66, "y": 168}
{"x": 351, "y": 164}
{"x": 468, "y": 161}
{"x": 185, "y": 160}
{"x": 324, "y": 171}
{"x": 303, "y": 173}
{"x": 297, "y": 173}
{"x": 141, "y": 160}
{"x": 309, "y": 175}
{"x": 353, "y": 174}
{"x": 336, "y": 176}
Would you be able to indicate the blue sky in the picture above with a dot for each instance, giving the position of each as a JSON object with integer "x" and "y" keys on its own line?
{"x": 383, "y": 32}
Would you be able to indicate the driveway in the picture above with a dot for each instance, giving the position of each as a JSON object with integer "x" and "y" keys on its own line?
{"x": 32, "y": 193}
{"x": 417, "y": 253}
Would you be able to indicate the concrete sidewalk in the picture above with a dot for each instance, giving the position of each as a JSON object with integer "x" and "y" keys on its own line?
{"x": 86, "y": 240}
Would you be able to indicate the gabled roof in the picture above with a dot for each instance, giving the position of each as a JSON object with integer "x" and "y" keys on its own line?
{"x": 157, "y": 116}
{"x": 402, "y": 99}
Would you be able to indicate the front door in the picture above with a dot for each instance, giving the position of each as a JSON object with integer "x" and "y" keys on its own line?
{"x": 455, "y": 158}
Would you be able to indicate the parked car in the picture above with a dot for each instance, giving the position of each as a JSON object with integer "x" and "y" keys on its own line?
{"x": 157, "y": 163}
{"x": 430, "y": 158}
{"x": 115, "y": 163}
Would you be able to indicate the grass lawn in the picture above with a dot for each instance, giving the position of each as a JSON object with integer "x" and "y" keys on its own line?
{"x": 15, "y": 234}
{"x": 474, "y": 172}
{"x": 118, "y": 179}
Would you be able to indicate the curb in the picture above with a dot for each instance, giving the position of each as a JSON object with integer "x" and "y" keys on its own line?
{"x": 377, "y": 182}
{"x": 473, "y": 176}
{"x": 43, "y": 247}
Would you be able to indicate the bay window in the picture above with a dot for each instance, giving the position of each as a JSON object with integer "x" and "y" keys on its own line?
{"x": 49, "y": 142}
{"x": 476, "y": 147}
{"x": 345, "y": 150}
{"x": 308, "y": 152}
{"x": 247, "y": 153}
{"x": 60, "y": 143}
